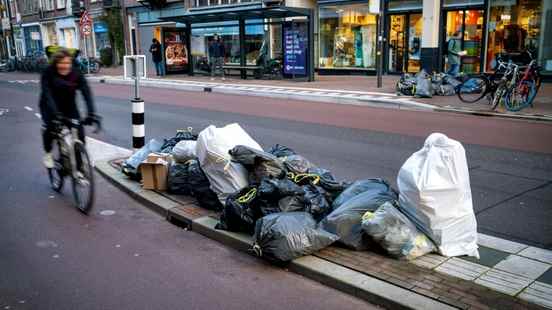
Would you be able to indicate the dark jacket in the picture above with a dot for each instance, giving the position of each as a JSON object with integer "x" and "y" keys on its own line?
{"x": 58, "y": 94}
{"x": 155, "y": 50}
{"x": 216, "y": 49}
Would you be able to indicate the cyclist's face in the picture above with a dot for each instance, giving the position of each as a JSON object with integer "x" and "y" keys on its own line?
{"x": 64, "y": 66}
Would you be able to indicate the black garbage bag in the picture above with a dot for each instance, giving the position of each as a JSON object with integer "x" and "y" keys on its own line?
{"x": 240, "y": 212}
{"x": 345, "y": 221}
{"x": 329, "y": 183}
{"x": 298, "y": 164}
{"x": 201, "y": 188}
{"x": 424, "y": 87}
{"x": 286, "y": 236}
{"x": 406, "y": 85}
{"x": 315, "y": 201}
{"x": 181, "y": 135}
{"x": 279, "y": 150}
{"x": 259, "y": 164}
{"x": 178, "y": 180}
{"x": 279, "y": 195}
{"x": 130, "y": 166}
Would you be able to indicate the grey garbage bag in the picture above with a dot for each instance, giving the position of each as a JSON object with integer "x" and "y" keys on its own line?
{"x": 406, "y": 85}
{"x": 447, "y": 90}
{"x": 279, "y": 150}
{"x": 354, "y": 189}
{"x": 178, "y": 180}
{"x": 184, "y": 151}
{"x": 329, "y": 183}
{"x": 424, "y": 87}
{"x": 181, "y": 135}
{"x": 396, "y": 233}
{"x": 315, "y": 201}
{"x": 286, "y": 236}
{"x": 130, "y": 166}
{"x": 450, "y": 80}
{"x": 345, "y": 221}
{"x": 259, "y": 164}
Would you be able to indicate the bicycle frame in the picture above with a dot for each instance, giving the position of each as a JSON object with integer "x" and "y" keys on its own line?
{"x": 68, "y": 137}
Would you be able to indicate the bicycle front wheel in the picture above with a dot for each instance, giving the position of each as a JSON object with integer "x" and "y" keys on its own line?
{"x": 473, "y": 89}
{"x": 83, "y": 180}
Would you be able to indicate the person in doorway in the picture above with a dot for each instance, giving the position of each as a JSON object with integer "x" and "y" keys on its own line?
{"x": 216, "y": 55}
{"x": 59, "y": 83}
{"x": 156, "y": 55}
{"x": 454, "y": 53}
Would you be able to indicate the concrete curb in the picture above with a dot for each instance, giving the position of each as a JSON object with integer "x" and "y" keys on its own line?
{"x": 338, "y": 277}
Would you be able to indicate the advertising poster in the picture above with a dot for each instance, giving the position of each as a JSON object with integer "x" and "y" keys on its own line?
{"x": 295, "y": 48}
{"x": 176, "y": 53}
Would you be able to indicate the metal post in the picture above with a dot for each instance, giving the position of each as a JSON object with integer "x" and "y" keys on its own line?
{"x": 379, "y": 53}
{"x": 138, "y": 127}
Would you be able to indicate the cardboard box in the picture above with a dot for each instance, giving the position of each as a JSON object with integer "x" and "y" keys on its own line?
{"x": 155, "y": 170}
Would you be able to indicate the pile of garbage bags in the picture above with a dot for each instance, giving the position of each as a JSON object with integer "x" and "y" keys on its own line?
{"x": 424, "y": 85}
{"x": 293, "y": 207}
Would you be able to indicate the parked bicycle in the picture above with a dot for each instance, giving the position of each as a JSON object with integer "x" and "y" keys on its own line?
{"x": 505, "y": 86}
{"x": 71, "y": 160}
{"x": 93, "y": 63}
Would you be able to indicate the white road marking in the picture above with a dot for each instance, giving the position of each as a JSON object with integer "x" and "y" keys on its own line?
{"x": 107, "y": 212}
{"x": 38, "y": 115}
{"x": 28, "y": 108}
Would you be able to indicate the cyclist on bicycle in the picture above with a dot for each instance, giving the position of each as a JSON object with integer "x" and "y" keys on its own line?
{"x": 59, "y": 83}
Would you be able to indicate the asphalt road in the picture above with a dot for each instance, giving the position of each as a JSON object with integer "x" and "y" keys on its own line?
{"x": 53, "y": 257}
{"x": 510, "y": 170}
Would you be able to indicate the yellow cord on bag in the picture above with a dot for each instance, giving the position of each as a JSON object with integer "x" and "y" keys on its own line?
{"x": 297, "y": 178}
{"x": 248, "y": 196}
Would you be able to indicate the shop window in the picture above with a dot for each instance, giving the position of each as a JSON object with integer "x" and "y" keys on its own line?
{"x": 513, "y": 30}
{"x": 545, "y": 52}
{"x": 462, "y": 3}
{"x": 470, "y": 24}
{"x": 347, "y": 37}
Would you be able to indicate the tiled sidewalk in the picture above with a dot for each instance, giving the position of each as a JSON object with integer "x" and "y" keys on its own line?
{"x": 508, "y": 275}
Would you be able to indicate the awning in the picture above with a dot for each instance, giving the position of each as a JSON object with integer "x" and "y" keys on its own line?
{"x": 236, "y": 13}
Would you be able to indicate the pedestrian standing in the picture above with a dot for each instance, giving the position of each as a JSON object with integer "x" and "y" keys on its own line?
{"x": 454, "y": 53}
{"x": 156, "y": 55}
{"x": 216, "y": 56}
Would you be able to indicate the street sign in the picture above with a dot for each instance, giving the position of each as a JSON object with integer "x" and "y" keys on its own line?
{"x": 134, "y": 66}
{"x": 85, "y": 24}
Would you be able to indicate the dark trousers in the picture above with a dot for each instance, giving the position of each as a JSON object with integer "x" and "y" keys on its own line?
{"x": 49, "y": 129}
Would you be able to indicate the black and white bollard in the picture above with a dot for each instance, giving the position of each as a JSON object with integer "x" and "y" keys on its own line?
{"x": 138, "y": 127}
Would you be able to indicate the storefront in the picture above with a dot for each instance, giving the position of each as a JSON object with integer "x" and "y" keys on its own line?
{"x": 404, "y": 24}
{"x": 347, "y": 37}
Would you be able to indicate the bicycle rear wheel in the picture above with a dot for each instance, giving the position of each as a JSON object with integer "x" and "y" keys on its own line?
{"x": 473, "y": 89}
{"x": 520, "y": 96}
{"x": 56, "y": 174}
{"x": 83, "y": 180}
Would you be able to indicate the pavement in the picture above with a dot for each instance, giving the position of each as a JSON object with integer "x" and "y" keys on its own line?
{"x": 510, "y": 166}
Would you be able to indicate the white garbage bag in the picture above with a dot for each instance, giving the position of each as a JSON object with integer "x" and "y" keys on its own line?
{"x": 226, "y": 177}
{"x": 184, "y": 151}
{"x": 435, "y": 193}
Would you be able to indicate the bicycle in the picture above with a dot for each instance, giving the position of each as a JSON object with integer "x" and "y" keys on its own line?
{"x": 84, "y": 63}
{"x": 71, "y": 160}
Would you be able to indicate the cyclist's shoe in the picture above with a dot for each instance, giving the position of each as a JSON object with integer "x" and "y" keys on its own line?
{"x": 48, "y": 161}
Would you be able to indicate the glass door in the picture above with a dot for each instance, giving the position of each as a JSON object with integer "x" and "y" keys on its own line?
{"x": 415, "y": 25}
{"x": 470, "y": 24}
{"x": 397, "y": 43}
